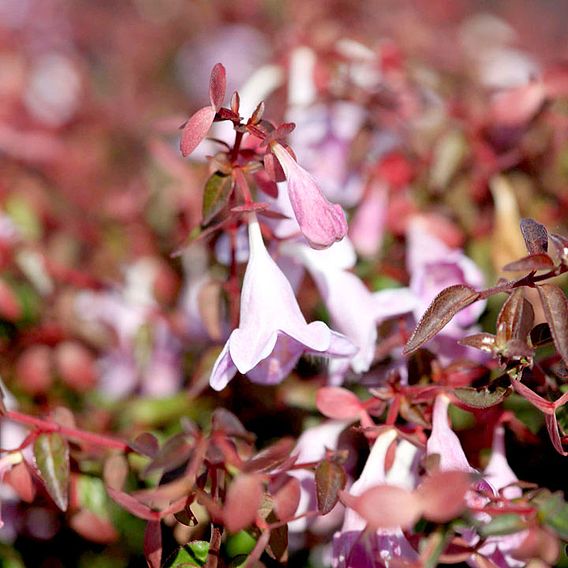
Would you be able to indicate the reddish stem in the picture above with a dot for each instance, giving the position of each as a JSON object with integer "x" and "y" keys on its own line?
{"x": 72, "y": 433}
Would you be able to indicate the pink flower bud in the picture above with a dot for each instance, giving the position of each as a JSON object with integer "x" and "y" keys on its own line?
{"x": 321, "y": 222}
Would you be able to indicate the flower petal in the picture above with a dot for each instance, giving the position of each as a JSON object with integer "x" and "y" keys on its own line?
{"x": 321, "y": 222}
{"x": 223, "y": 370}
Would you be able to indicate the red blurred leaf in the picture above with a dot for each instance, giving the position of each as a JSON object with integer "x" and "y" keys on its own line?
{"x": 242, "y": 501}
{"x": 196, "y": 129}
{"x": 235, "y": 102}
{"x": 271, "y": 458}
{"x": 266, "y": 184}
{"x": 250, "y": 208}
{"x": 338, "y": 403}
{"x": 217, "y": 86}
{"x": 442, "y": 495}
{"x": 138, "y": 509}
{"x": 21, "y": 480}
{"x": 153, "y": 544}
{"x": 226, "y": 422}
{"x": 442, "y": 309}
{"x": 543, "y": 405}
{"x": 215, "y": 196}
{"x": 76, "y": 365}
{"x": 554, "y": 433}
{"x": 385, "y": 507}
{"x": 115, "y": 471}
{"x": 93, "y": 527}
{"x": 330, "y": 479}
{"x": 10, "y": 308}
{"x": 256, "y": 116}
{"x": 51, "y": 454}
{"x": 146, "y": 444}
{"x": 287, "y": 498}
{"x": 540, "y": 261}
{"x": 175, "y": 452}
{"x": 535, "y": 235}
{"x": 560, "y": 244}
{"x": 273, "y": 168}
{"x": 555, "y": 307}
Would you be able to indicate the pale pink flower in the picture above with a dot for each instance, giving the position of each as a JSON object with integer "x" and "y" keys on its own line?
{"x": 272, "y": 333}
{"x": 444, "y": 442}
{"x": 321, "y": 222}
{"x": 353, "y": 546}
{"x": 358, "y": 317}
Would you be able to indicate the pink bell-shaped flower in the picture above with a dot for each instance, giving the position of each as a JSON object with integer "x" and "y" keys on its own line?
{"x": 273, "y": 333}
{"x": 321, "y": 222}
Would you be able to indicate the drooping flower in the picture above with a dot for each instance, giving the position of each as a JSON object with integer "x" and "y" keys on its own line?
{"x": 272, "y": 333}
{"x": 444, "y": 442}
{"x": 321, "y": 222}
{"x": 358, "y": 317}
{"x": 356, "y": 547}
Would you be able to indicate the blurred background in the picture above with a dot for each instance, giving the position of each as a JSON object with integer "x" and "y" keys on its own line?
{"x": 94, "y": 195}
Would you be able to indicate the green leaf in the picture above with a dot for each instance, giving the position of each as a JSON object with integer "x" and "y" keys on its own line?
{"x": 51, "y": 454}
{"x": 216, "y": 195}
{"x": 483, "y": 397}
{"x": 92, "y": 495}
{"x": 503, "y": 524}
{"x": 192, "y": 554}
{"x": 554, "y": 512}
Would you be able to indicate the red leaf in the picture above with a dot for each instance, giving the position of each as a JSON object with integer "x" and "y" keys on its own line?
{"x": 543, "y": 405}
{"x": 273, "y": 168}
{"x": 287, "y": 498}
{"x": 271, "y": 458}
{"x": 553, "y": 432}
{"x": 145, "y": 444}
{"x": 93, "y": 528}
{"x": 338, "y": 403}
{"x": 217, "y": 86}
{"x": 442, "y": 495}
{"x": 540, "y": 261}
{"x": 20, "y": 479}
{"x": 196, "y": 129}
{"x": 153, "y": 544}
{"x": 443, "y": 308}
{"x": 555, "y": 307}
{"x": 385, "y": 507}
{"x": 330, "y": 479}
{"x": 10, "y": 308}
{"x": 535, "y": 235}
{"x": 266, "y": 184}
{"x": 115, "y": 471}
{"x": 242, "y": 502}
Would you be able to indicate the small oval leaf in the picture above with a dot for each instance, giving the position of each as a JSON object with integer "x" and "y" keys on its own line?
{"x": 535, "y": 236}
{"x": 242, "y": 502}
{"x": 196, "y": 129}
{"x": 555, "y": 307}
{"x": 540, "y": 261}
{"x": 338, "y": 403}
{"x": 217, "y": 86}
{"x": 330, "y": 479}
{"x": 482, "y": 398}
{"x": 515, "y": 320}
{"x": 216, "y": 195}
{"x": 443, "y": 308}
{"x": 500, "y": 525}
{"x": 51, "y": 453}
